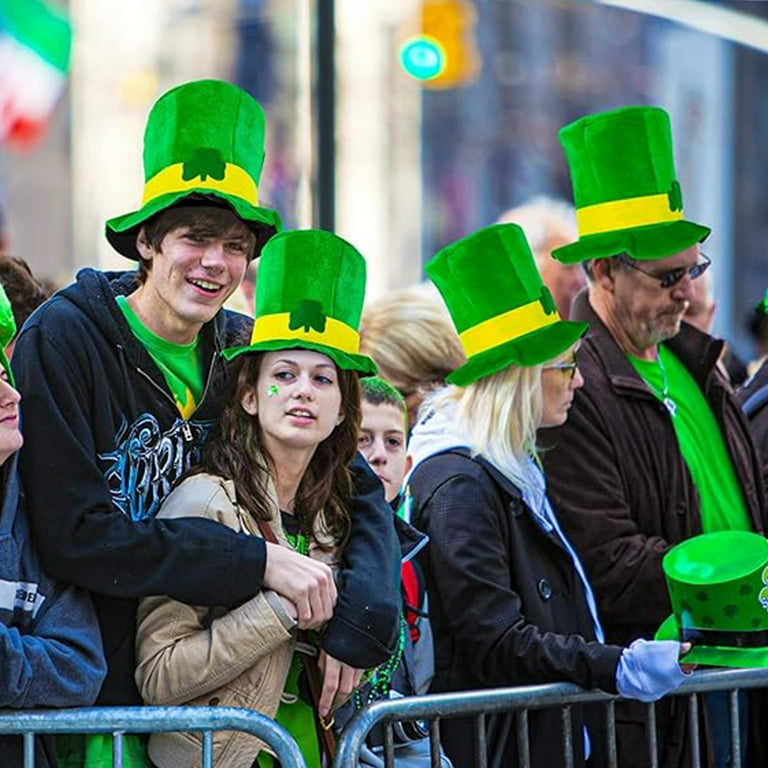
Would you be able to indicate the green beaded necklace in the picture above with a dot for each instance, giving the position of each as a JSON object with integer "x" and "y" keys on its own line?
{"x": 380, "y": 680}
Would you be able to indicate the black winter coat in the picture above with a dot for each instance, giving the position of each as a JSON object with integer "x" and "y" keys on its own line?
{"x": 507, "y": 607}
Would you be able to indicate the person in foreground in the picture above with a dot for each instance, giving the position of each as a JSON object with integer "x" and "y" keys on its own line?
{"x": 276, "y": 467}
{"x": 510, "y": 601}
{"x": 50, "y": 646}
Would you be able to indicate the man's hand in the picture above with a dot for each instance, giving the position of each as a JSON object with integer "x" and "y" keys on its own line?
{"x": 307, "y": 583}
{"x": 339, "y": 681}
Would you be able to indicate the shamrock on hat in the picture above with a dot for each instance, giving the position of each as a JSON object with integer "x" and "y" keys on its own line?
{"x": 502, "y": 310}
{"x": 204, "y": 140}
{"x": 309, "y": 295}
{"x": 627, "y": 197}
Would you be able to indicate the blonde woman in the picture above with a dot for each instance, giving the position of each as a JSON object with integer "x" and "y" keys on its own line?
{"x": 510, "y": 601}
{"x": 410, "y": 337}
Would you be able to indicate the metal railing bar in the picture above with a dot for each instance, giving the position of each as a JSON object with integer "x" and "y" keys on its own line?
{"x": 693, "y": 724}
{"x": 567, "y": 725}
{"x": 389, "y": 746}
{"x": 651, "y": 733}
{"x": 207, "y": 749}
{"x": 523, "y": 739}
{"x": 610, "y": 736}
{"x": 735, "y": 729}
{"x": 481, "y": 742}
{"x": 434, "y": 743}
{"x": 155, "y": 720}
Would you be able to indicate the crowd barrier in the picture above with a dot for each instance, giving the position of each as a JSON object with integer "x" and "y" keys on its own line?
{"x": 121, "y": 720}
{"x": 428, "y": 709}
{"x": 480, "y": 704}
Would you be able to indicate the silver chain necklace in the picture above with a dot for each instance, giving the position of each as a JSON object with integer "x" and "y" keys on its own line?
{"x": 668, "y": 402}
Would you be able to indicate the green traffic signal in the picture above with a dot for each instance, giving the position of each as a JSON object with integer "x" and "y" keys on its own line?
{"x": 422, "y": 57}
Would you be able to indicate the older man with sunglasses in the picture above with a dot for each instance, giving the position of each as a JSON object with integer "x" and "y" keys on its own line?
{"x": 656, "y": 449}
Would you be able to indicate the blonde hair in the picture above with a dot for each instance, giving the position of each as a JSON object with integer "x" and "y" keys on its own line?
{"x": 499, "y": 414}
{"x": 411, "y": 338}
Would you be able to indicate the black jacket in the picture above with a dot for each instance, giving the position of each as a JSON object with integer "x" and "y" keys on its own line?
{"x": 105, "y": 444}
{"x": 507, "y": 606}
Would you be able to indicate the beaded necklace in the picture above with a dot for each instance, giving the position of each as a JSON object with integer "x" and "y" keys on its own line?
{"x": 664, "y": 396}
{"x": 380, "y": 680}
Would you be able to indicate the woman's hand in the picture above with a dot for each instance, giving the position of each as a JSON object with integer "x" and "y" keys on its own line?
{"x": 339, "y": 682}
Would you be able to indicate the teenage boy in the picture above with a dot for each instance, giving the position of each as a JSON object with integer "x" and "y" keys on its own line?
{"x": 383, "y": 435}
{"x": 121, "y": 374}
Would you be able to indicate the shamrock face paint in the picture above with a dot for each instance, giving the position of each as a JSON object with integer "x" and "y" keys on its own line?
{"x": 272, "y": 390}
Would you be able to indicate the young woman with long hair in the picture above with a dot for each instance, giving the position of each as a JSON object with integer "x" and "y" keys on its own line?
{"x": 276, "y": 466}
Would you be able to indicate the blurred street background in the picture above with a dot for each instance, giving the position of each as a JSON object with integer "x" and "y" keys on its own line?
{"x": 396, "y": 164}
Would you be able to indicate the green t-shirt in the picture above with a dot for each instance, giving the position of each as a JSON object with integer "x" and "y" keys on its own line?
{"x": 701, "y": 442}
{"x": 180, "y": 363}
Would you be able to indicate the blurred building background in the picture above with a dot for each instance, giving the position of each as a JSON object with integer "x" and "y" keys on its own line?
{"x": 415, "y": 165}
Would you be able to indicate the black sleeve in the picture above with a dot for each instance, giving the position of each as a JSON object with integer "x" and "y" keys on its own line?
{"x": 82, "y": 538}
{"x": 364, "y": 629}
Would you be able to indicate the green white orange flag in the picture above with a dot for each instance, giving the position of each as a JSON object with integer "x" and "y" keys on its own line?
{"x": 35, "y": 45}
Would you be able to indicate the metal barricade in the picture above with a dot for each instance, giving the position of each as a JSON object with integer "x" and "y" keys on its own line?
{"x": 122, "y": 720}
{"x": 479, "y": 704}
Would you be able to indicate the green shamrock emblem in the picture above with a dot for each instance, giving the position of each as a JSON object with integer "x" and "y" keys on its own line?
{"x": 755, "y": 623}
{"x": 731, "y": 610}
{"x": 309, "y": 314}
{"x": 547, "y": 302}
{"x": 702, "y": 596}
{"x": 204, "y": 162}
{"x": 707, "y": 621}
{"x": 675, "y": 196}
{"x": 746, "y": 589}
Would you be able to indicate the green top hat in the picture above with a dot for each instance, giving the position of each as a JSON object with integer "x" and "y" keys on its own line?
{"x": 204, "y": 138}
{"x": 502, "y": 310}
{"x": 7, "y": 331}
{"x": 624, "y": 187}
{"x": 718, "y": 586}
{"x": 309, "y": 294}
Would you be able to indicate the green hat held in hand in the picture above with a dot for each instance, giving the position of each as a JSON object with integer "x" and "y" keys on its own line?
{"x": 309, "y": 295}
{"x": 204, "y": 142}
{"x": 7, "y": 331}
{"x": 718, "y": 587}
{"x": 502, "y": 310}
{"x": 627, "y": 197}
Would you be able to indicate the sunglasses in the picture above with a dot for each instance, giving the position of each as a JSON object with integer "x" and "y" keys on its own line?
{"x": 567, "y": 368}
{"x": 672, "y": 276}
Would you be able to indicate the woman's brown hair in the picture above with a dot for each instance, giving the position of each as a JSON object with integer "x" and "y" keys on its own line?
{"x": 236, "y": 452}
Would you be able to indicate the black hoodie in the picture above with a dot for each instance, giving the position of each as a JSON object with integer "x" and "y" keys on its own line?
{"x": 104, "y": 445}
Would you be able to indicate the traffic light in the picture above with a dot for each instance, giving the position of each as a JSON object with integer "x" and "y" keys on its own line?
{"x": 443, "y": 53}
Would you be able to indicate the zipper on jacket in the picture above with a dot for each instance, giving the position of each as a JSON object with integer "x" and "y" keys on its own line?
{"x": 185, "y": 428}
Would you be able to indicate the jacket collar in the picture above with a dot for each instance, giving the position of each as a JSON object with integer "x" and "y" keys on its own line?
{"x": 696, "y": 350}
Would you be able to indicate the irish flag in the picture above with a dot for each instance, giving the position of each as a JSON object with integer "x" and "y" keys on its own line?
{"x": 35, "y": 43}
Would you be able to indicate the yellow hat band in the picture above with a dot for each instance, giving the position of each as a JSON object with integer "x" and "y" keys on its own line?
{"x": 337, "y": 335}
{"x": 236, "y": 182}
{"x": 506, "y": 327}
{"x": 625, "y": 214}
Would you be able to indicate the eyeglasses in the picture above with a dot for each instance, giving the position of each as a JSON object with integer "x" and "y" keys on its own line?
{"x": 567, "y": 368}
{"x": 672, "y": 276}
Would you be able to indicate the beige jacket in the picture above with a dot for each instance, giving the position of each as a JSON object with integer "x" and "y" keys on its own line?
{"x": 210, "y": 656}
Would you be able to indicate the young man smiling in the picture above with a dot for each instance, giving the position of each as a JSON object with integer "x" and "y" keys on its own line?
{"x": 122, "y": 374}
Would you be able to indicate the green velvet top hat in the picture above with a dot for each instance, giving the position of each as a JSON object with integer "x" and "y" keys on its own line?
{"x": 624, "y": 187}
{"x": 502, "y": 310}
{"x": 7, "y": 331}
{"x": 309, "y": 295}
{"x": 203, "y": 139}
{"x": 718, "y": 586}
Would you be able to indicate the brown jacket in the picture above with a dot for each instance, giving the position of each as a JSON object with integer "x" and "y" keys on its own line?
{"x": 195, "y": 655}
{"x": 622, "y": 489}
